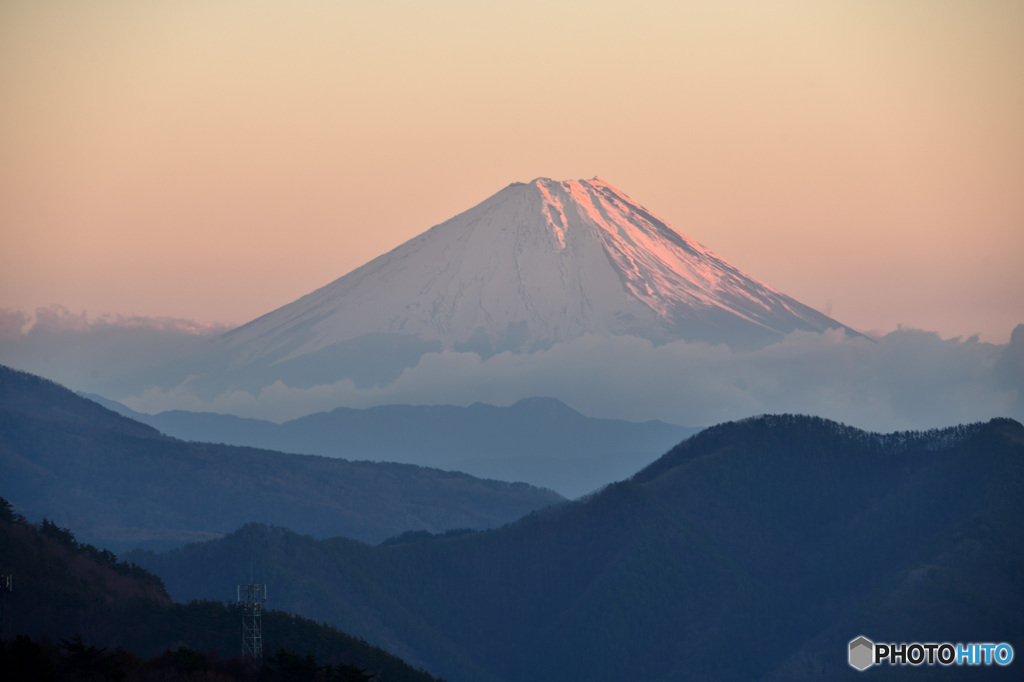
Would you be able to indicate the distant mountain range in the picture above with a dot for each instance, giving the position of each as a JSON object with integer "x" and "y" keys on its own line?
{"x": 122, "y": 484}
{"x": 540, "y": 441}
{"x": 752, "y": 551}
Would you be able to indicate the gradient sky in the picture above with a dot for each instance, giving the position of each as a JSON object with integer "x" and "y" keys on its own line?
{"x": 216, "y": 159}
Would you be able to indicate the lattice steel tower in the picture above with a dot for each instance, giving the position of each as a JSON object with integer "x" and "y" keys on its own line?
{"x": 251, "y": 598}
{"x": 5, "y": 612}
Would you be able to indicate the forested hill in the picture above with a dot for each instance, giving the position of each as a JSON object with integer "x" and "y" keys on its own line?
{"x": 779, "y": 433}
{"x": 46, "y": 400}
{"x": 76, "y": 612}
{"x": 754, "y": 550}
{"x": 121, "y": 484}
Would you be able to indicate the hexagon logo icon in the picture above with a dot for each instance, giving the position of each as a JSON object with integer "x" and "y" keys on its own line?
{"x": 862, "y": 653}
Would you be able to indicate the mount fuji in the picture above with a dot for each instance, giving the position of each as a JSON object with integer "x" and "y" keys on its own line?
{"x": 536, "y": 264}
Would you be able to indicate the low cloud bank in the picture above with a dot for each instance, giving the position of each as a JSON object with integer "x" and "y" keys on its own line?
{"x": 105, "y": 354}
{"x": 908, "y": 379}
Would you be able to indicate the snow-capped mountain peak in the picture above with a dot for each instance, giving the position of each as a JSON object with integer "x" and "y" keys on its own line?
{"x": 535, "y": 264}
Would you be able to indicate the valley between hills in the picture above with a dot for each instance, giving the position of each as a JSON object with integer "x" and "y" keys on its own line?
{"x": 751, "y": 550}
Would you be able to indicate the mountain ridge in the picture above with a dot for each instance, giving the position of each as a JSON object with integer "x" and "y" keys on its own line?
{"x": 540, "y": 441}
{"x": 73, "y": 593}
{"x": 123, "y": 484}
{"x": 755, "y": 551}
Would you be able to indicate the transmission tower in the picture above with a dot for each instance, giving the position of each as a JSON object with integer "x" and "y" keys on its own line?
{"x": 251, "y": 598}
{"x": 5, "y": 613}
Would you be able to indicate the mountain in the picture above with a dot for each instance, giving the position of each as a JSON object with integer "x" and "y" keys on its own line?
{"x": 107, "y": 613}
{"x": 122, "y": 484}
{"x": 754, "y": 550}
{"x": 535, "y": 264}
{"x": 540, "y": 441}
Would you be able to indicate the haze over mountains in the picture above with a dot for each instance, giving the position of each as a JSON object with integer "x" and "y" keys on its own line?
{"x": 568, "y": 290}
{"x": 752, "y": 550}
{"x": 122, "y": 484}
{"x": 539, "y": 441}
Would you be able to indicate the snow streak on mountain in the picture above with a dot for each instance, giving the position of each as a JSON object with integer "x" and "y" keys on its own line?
{"x": 533, "y": 265}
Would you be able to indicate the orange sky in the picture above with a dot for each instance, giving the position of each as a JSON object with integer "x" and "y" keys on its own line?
{"x": 215, "y": 159}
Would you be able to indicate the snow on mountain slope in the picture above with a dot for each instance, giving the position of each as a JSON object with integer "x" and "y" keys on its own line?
{"x": 535, "y": 264}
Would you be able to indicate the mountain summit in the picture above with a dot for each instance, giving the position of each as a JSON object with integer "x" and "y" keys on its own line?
{"x": 535, "y": 264}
